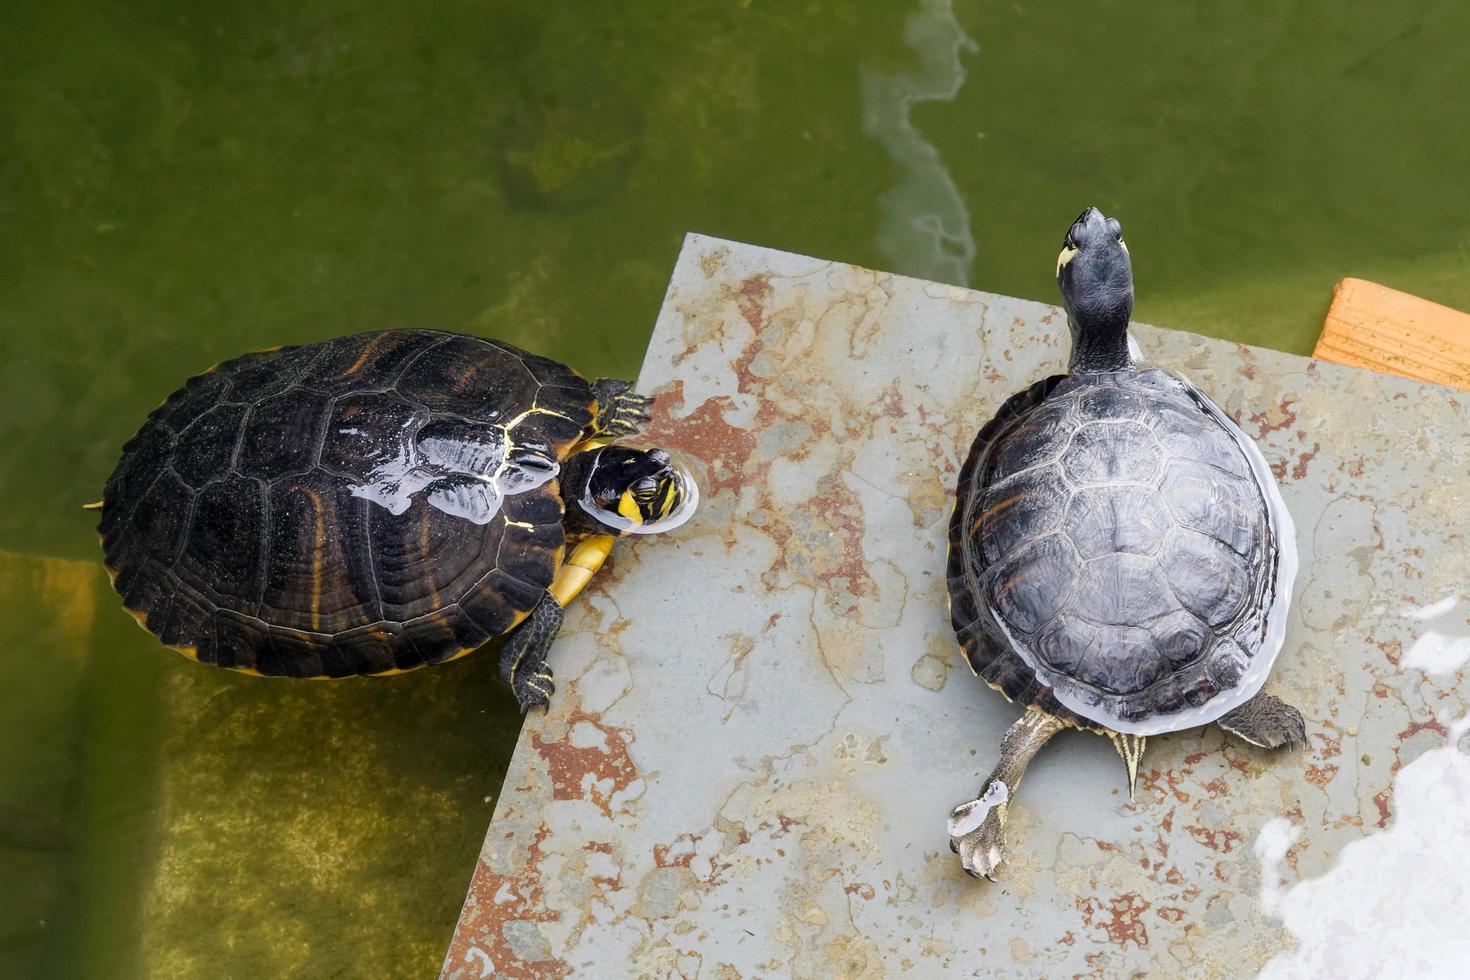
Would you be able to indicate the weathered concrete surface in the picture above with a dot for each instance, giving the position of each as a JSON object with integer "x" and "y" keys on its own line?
{"x": 762, "y": 721}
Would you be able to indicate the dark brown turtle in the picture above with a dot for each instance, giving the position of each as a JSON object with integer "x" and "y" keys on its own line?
{"x": 1120, "y": 558}
{"x": 372, "y": 504}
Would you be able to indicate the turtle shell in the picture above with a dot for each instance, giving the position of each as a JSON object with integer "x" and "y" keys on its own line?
{"x": 364, "y": 505}
{"x": 1116, "y": 554}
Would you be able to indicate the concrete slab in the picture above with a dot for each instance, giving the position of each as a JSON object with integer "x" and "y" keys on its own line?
{"x": 763, "y": 721}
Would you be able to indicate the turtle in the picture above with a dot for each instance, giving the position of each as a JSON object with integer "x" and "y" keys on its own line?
{"x": 1120, "y": 557}
{"x": 376, "y": 503}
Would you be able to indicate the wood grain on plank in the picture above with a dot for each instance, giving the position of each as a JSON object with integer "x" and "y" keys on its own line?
{"x": 1372, "y": 326}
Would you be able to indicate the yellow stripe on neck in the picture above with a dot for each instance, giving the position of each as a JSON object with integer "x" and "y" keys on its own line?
{"x": 586, "y": 558}
{"x": 1064, "y": 256}
{"x": 628, "y": 507}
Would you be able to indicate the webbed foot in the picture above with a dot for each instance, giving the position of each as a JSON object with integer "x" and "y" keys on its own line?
{"x": 621, "y": 411}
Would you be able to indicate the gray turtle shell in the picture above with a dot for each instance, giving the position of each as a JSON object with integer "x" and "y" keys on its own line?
{"x": 1115, "y": 554}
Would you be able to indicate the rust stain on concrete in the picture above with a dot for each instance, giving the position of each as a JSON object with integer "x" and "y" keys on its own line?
{"x": 758, "y": 736}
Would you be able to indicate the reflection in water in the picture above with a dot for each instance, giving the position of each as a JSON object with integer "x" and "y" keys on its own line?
{"x": 924, "y": 228}
{"x": 1443, "y": 650}
{"x": 1396, "y": 903}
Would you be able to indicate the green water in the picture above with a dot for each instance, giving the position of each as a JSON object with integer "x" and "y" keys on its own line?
{"x": 179, "y": 183}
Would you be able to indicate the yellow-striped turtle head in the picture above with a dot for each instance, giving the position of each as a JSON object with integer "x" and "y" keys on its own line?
{"x": 631, "y": 491}
{"x": 1095, "y": 276}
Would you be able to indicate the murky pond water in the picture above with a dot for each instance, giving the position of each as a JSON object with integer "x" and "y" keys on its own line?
{"x": 178, "y": 184}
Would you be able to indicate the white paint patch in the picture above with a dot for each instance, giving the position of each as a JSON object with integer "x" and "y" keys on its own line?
{"x": 967, "y": 817}
{"x": 924, "y": 227}
{"x": 1396, "y": 903}
{"x": 1445, "y": 647}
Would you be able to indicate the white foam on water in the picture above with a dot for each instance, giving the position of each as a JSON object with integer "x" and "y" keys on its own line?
{"x": 924, "y": 227}
{"x": 1272, "y": 843}
{"x": 1397, "y": 903}
{"x": 1445, "y": 647}
{"x": 1432, "y": 611}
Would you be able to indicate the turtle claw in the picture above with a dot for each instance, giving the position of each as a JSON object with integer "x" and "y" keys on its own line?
{"x": 981, "y": 853}
{"x": 523, "y": 659}
{"x": 977, "y": 832}
{"x": 621, "y": 411}
{"x": 534, "y": 690}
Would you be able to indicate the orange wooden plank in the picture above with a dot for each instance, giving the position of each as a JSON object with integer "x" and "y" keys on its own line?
{"x": 1372, "y": 326}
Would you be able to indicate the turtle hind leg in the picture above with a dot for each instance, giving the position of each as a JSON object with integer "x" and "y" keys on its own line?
{"x": 1267, "y": 721}
{"x": 977, "y": 828}
{"x": 523, "y": 660}
{"x": 621, "y": 411}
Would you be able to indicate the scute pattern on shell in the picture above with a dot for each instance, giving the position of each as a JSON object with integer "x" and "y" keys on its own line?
{"x": 1111, "y": 528}
{"x": 305, "y": 511}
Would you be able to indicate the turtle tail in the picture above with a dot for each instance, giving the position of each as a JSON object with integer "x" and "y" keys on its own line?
{"x": 1130, "y": 747}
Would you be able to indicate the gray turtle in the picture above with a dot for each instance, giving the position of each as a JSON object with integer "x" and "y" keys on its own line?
{"x": 1120, "y": 558}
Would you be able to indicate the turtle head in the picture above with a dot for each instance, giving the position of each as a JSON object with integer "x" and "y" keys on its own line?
{"x": 618, "y": 490}
{"x": 1096, "y": 280}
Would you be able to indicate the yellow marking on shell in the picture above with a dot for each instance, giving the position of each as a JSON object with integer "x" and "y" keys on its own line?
{"x": 1064, "y": 256}
{"x": 992, "y": 510}
{"x": 628, "y": 507}
{"x": 317, "y": 554}
{"x": 191, "y": 652}
{"x": 596, "y": 442}
{"x": 964, "y": 655}
{"x": 94, "y": 505}
{"x": 1011, "y": 583}
{"x": 1070, "y": 723}
{"x": 362, "y": 358}
{"x": 424, "y": 545}
{"x": 573, "y": 576}
{"x": 586, "y": 558}
{"x": 535, "y": 411}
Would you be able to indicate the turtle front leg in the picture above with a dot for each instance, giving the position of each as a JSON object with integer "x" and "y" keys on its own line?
{"x": 1267, "y": 721}
{"x": 977, "y": 828}
{"x": 523, "y": 661}
{"x": 621, "y": 411}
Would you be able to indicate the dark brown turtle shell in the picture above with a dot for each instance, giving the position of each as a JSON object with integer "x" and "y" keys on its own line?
{"x": 1113, "y": 553}
{"x": 323, "y": 510}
